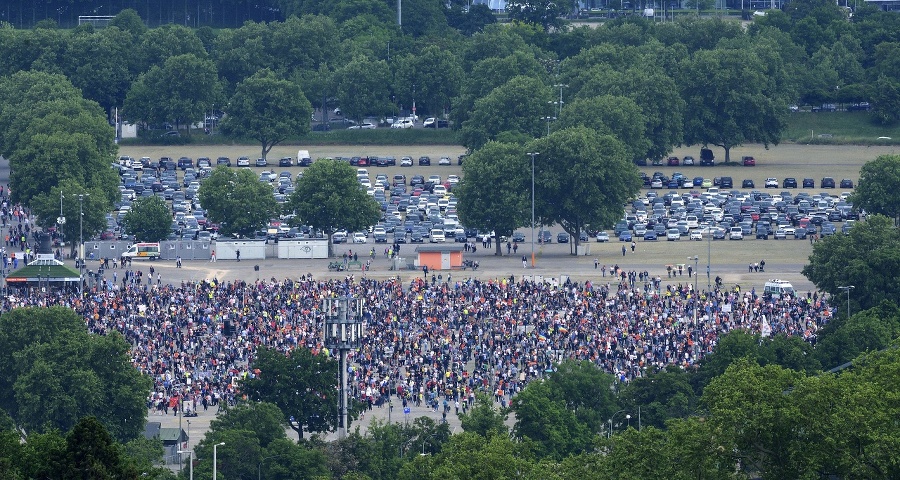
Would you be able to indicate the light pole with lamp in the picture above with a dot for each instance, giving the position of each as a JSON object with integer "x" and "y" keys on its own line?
{"x": 609, "y": 433}
{"x": 532, "y": 155}
{"x": 215, "y": 457}
{"x": 560, "y": 86}
{"x": 548, "y": 119}
{"x": 847, "y": 289}
{"x": 81, "y": 243}
{"x": 709, "y": 257}
{"x": 426, "y": 441}
{"x": 190, "y": 459}
{"x": 343, "y": 332}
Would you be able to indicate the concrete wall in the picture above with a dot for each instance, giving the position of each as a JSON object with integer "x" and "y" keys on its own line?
{"x": 186, "y": 249}
{"x": 302, "y": 249}
{"x": 250, "y": 249}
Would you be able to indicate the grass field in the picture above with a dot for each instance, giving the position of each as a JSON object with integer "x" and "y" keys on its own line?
{"x": 838, "y": 128}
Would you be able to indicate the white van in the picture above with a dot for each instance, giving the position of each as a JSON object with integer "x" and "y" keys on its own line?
{"x": 142, "y": 250}
{"x": 778, "y": 288}
{"x": 437, "y": 235}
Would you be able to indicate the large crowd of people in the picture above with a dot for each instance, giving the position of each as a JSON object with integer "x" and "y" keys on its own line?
{"x": 427, "y": 340}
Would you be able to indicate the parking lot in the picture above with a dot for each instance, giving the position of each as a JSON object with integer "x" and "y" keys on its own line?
{"x": 729, "y": 259}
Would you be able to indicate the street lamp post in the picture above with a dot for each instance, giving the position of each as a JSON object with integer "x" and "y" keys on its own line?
{"x": 709, "y": 257}
{"x": 609, "y": 433}
{"x": 426, "y": 441}
{"x": 560, "y": 86}
{"x": 215, "y": 457}
{"x": 548, "y": 119}
{"x": 190, "y": 459}
{"x": 532, "y": 155}
{"x": 81, "y": 244}
{"x": 847, "y": 289}
{"x": 343, "y": 332}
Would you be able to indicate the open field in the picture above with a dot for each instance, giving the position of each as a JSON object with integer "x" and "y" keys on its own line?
{"x": 838, "y": 127}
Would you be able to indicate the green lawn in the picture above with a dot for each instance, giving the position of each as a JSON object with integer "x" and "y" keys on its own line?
{"x": 838, "y": 127}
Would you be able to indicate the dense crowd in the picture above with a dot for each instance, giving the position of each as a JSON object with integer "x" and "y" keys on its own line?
{"x": 427, "y": 340}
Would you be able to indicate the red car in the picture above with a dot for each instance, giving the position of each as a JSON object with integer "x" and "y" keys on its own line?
{"x": 749, "y": 161}
{"x": 673, "y": 161}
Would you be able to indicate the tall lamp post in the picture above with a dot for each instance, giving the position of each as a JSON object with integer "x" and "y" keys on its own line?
{"x": 343, "y": 332}
{"x": 81, "y": 244}
{"x": 190, "y": 459}
{"x": 215, "y": 457}
{"x": 548, "y": 119}
{"x": 709, "y": 256}
{"x": 560, "y": 86}
{"x": 609, "y": 433}
{"x": 532, "y": 155}
{"x": 847, "y": 289}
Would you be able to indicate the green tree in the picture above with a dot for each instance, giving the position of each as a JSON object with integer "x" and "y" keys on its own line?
{"x": 329, "y": 198}
{"x": 301, "y": 384}
{"x": 129, "y": 21}
{"x": 886, "y": 100}
{"x": 180, "y": 91}
{"x": 732, "y": 100}
{"x": 546, "y": 13}
{"x": 267, "y": 109}
{"x": 57, "y": 373}
{"x": 85, "y": 218}
{"x": 471, "y": 456}
{"x": 148, "y": 220}
{"x": 878, "y": 180}
{"x": 511, "y": 111}
{"x": 265, "y": 420}
{"x": 102, "y": 65}
{"x": 159, "y": 44}
{"x": 237, "y": 200}
{"x": 543, "y": 418}
{"x": 620, "y": 117}
{"x": 867, "y": 258}
{"x": 241, "y": 52}
{"x": 845, "y": 339}
{"x": 436, "y": 75}
{"x": 91, "y": 452}
{"x": 757, "y": 419}
{"x": 496, "y": 193}
{"x": 660, "y": 396}
{"x": 483, "y": 419}
{"x": 361, "y": 87}
{"x": 583, "y": 179}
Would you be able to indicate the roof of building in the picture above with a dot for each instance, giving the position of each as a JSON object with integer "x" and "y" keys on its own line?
{"x": 441, "y": 247}
{"x": 43, "y": 273}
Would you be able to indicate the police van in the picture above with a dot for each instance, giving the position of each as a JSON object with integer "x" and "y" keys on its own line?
{"x": 778, "y": 288}
{"x": 142, "y": 250}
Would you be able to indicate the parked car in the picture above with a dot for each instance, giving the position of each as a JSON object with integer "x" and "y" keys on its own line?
{"x": 261, "y": 162}
{"x": 223, "y": 161}
{"x": 846, "y": 183}
{"x": 625, "y": 236}
{"x": 650, "y": 236}
{"x": 444, "y": 161}
{"x": 707, "y": 157}
{"x": 285, "y": 162}
{"x": 771, "y": 182}
{"x": 789, "y": 182}
{"x": 602, "y": 236}
{"x": 424, "y": 161}
{"x": 748, "y": 184}
{"x": 363, "y": 126}
{"x": 406, "y": 162}
{"x": 748, "y": 161}
{"x": 672, "y": 161}
{"x": 562, "y": 237}
{"x": 402, "y": 124}
{"x": 673, "y": 234}
{"x": 809, "y": 183}
{"x": 827, "y": 182}
{"x": 687, "y": 161}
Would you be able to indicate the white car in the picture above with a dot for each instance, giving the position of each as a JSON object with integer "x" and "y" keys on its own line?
{"x": 444, "y": 161}
{"x": 673, "y": 235}
{"x": 452, "y": 179}
{"x": 736, "y": 233}
{"x": 602, "y": 236}
{"x": 243, "y": 161}
{"x": 359, "y": 237}
{"x": 406, "y": 162}
{"x": 696, "y": 235}
{"x": 771, "y": 183}
{"x": 429, "y": 122}
{"x": 405, "y": 123}
{"x": 362, "y": 126}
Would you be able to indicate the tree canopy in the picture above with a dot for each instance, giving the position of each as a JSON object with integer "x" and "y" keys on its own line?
{"x": 237, "y": 200}
{"x": 57, "y": 373}
{"x": 879, "y": 182}
{"x": 267, "y": 109}
{"x": 329, "y": 198}
{"x": 148, "y": 220}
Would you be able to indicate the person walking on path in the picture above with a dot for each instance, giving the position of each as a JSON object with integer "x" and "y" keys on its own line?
{"x": 237, "y": 254}
{"x": 623, "y": 250}
{"x": 212, "y": 257}
{"x": 524, "y": 261}
{"x": 633, "y": 245}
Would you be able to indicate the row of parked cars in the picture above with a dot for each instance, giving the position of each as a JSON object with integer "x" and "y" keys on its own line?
{"x": 733, "y": 214}
{"x": 659, "y": 180}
